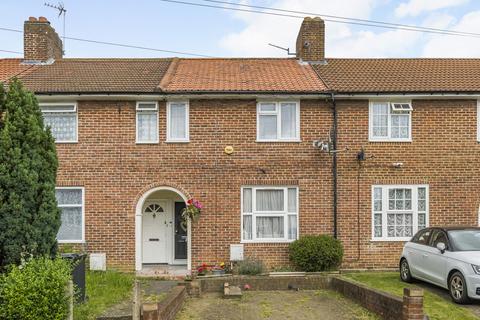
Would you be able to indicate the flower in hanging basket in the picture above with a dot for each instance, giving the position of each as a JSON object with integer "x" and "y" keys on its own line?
{"x": 192, "y": 210}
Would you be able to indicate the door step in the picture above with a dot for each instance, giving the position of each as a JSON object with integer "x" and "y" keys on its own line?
{"x": 230, "y": 292}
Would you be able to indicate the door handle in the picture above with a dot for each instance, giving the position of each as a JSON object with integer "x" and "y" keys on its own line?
{"x": 153, "y": 239}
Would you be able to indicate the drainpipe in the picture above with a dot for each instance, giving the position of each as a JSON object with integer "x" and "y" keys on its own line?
{"x": 334, "y": 165}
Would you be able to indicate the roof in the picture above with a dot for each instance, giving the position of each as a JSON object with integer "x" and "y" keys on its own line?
{"x": 241, "y": 76}
{"x": 97, "y": 76}
{"x": 10, "y": 68}
{"x": 400, "y": 75}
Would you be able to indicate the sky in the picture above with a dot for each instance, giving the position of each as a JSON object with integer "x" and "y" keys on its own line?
{"x": 226, "y": 33}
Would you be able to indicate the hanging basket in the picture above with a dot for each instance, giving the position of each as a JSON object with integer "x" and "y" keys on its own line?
{"x": 191, "y": 212}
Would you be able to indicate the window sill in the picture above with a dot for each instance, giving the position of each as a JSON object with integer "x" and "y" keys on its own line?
{"x": 71, "y": 241}
{"x": 266, "y": 241}
{"x": 177, "y": 141}
{"x": 391, "y": 140}
{"x": 66, "y": 142}
{"x": 146, "y": 142}
{"x": 391, "y": 239}
{"x": 277, "y": 141}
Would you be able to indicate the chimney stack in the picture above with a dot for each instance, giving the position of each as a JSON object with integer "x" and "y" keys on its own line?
{"x": 311, "y": 40}
{"x": 41, "y": 44}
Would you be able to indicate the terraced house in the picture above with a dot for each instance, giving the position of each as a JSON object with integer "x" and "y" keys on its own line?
{"x": 367, "y": 150}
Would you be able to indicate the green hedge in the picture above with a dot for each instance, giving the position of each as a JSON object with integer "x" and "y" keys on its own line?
{"x": 316, "y": 253}
{"x": 35, "y": 290}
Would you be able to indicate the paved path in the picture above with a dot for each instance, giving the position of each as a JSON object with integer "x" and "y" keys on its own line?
{"x": 274, "y": 305}
{"x": 474, "y": 306}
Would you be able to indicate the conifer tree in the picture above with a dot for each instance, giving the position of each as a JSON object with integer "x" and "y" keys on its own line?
{"x": 29, "y": 216}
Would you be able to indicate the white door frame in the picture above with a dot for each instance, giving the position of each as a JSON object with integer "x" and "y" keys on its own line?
{"x": 138, "y": 227}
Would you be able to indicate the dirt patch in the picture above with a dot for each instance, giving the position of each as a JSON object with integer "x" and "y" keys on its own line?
{"x": 274, "y": 305}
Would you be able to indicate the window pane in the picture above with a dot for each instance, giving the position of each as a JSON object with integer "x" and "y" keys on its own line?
{"x": 178, "y": 121}
{"x": 68, "y": 196}
{"x": 270, "y": 227}
{"x": 71, "y": 228}
{"x": 247, "y": 200}
{"x": 267, "y": 126}
{"x": 292, "y": 200}
{"x": 62, "y": 125}
{"x": 400, "y": 125}
{"x": 292, "y": 227}
{"x": 380, "y": 120}
{"x": 399, "y": 225}
{"x": 422, "y": 222}
{"x": 269, "y": 200}
{"x": 147, "y": 130}
{"x": 247, "y": 227}
{"x": 289, "y": 120}
{"x": 377, "y": 199}
{"x": 267, "y": 107}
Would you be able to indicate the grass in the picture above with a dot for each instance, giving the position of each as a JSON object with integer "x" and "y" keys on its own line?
{"x": 435, "y": 306}
{"x": 104, "y": 289}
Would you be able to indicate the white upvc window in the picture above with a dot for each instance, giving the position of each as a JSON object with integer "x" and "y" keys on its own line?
{"x": 62, "y": 119}
{"x": 398, "y": 211}
{"x": 178, "y": 121}
{"x": 147, "y": 122}
{"x": 71, "y": 202}
{"x": 390, "y": 121}
{"x": 269, "y": 214}
{"x": 278, "y": 121}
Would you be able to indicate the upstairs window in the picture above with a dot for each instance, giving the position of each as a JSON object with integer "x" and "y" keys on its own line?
{"x": 390, "y": 121}
{"x": 62, "y": 120}
{"x": 269, "y": 214}
{"x": 177, "y": 122}
{"x": 147, "y": 122}
{"x": 278, "y": 121}
{"x": 398, "y": 211}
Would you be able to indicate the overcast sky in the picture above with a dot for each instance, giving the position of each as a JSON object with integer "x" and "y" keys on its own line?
{"x": 225, "y": 33}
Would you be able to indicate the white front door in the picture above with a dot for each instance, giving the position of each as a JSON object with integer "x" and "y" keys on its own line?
{"x": 156, "y": 228}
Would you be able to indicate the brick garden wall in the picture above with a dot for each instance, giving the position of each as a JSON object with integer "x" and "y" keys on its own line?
{"x": 116, "y": 172}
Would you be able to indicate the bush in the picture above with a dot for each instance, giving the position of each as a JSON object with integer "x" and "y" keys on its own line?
{"x": 316, "y": 253}
{"x": 250, "y": 266}
{"x": 35, "y": 290}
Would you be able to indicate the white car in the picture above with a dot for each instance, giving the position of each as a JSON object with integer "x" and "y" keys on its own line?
{"x": 447, "y": 257}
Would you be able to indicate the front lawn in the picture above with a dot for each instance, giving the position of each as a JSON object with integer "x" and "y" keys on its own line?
{"x": 435, "y": 306}
{"x": 104, "y": 289}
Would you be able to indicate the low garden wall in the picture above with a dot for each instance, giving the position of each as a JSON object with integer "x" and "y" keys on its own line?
{"x": 167, "y": 308}
{"x": 387, "y": 306}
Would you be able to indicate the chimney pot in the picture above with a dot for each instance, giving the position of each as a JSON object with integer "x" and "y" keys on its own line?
{"x": 32, "y": 19}
{"x": 42, "y": 19}
{"x": 311, "y": 40}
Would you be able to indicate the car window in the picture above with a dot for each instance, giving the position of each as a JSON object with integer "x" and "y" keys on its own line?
{"x": 422, "y": 237}
{"x": 437, "y": 237}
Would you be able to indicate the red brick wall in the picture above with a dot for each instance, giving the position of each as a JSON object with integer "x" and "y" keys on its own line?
{"x": 40, "y": 41}
{"x": 444, "y": 154}
{"x": 116, "y": 172}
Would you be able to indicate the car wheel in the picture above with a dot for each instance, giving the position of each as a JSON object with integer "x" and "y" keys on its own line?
{"x": 405, "y": 274}
{"x": 458, "y": 288}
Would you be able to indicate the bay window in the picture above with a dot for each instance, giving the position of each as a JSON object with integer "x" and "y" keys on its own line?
{"x": 269, "y": 214}
{"x": 398, "y": 211}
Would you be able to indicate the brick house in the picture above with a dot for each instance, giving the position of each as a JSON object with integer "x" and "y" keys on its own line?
{"x": 136, "y": 138}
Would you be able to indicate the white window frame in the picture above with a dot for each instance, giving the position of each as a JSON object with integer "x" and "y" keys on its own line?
{"x": 138, "y": 110}
{"x": 385, "y": 211}
{"x": 388, "y": 138}
{"x": 74, "y": 206}
{"x": 75, "y": 110}
{"x": 187, "y": 122}
{"x": 256, "y": 213}
{"x": 279, "y": 120}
